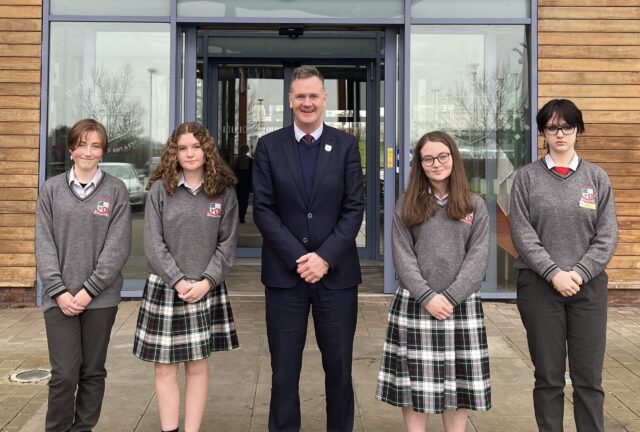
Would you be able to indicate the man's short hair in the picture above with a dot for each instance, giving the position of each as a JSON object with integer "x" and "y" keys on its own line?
{"x": 306, "y": 71}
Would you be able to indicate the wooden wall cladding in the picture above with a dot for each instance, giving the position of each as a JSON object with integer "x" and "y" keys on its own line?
{"x": 20, "y": 49}
{"x": 589, "y": 52}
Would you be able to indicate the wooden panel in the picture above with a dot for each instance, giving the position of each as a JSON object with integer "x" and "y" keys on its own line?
{"x": 33, "y": 38}
{"x": 628, "y": 209}
{"x": 585, "y": 90}
{"x": 7, "y": 115}
{"x": 623, "y": 274}
{"x": 24, "y": 154}
{"x": 588, "y": 64}
{"x": 19, "y": 50}
{"x": 622, "y": 196}
{"x": 17, "y": 246}
{"x": 19, "y": 141}
{"x": 18, "y": 181}
{"x": 19, "y": 128}
{"x": 17, "y": 233}
{"x": 611, "y": 156}
{"x": 18, "y": 273}
{"x": 19, "y": 167}
{"x": 626, "y": 182}
{"x": 9, "y": 220}
{"x": 601, "y": 13}
{"x": 628, "y": 249}
{"x": 20, "y": 207}
{"x": 608, "y": 131}
{"x": 627, "y": 222}
{"x": 549, "y": 38}
{"x": 8, "y": 24}
{"x": 20, "y": 63}
{"x": 19, "y": 89}
{"x": 16, "y": 193}
{"x": 22, "y": 102}
{"x": 623, "y": 104}
{"x": 21, "y": 2}
{"x": 20, "y": 12}
{"x": 615, "y": 117}
{"x": 609, "y": 143}
{"x": 17, "y": 260}
{"x": 19, "y": 76}
{"x": 589, "y": 52}
{"x": 572, "y": 77}
{"x": 588, "y": 26}
{"x": 18, "y": 283}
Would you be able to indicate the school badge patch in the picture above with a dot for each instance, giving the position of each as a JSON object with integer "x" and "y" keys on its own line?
{"x": 587, "y": 198}
{"x": 215, "y": 210}
{"x": 103, "y": 208}
{"x": 468, "y": 219}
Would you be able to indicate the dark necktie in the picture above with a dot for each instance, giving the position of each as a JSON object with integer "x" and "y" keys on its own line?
{"x": 307, "y": 138}
{"x": 563, "y": 171}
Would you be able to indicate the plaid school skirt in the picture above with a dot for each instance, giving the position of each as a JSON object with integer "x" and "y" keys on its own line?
{"x": 433, "y": 365}
{"x": 170, "y": 330}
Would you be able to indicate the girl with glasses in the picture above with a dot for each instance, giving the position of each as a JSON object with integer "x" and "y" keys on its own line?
{"x": 190, "y": 234}
{"x": 435, "y": 358}
{"x": 564, "y": 228}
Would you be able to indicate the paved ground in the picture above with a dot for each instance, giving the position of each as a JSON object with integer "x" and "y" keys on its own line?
{"x": 240, "y": 379}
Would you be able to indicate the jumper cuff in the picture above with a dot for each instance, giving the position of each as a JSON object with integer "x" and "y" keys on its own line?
{"x": 211, "y": 280}
{"x": 550, "y": 272}
{"x": 449, "y": 297}
{"x": 583, "y": 272}
{"x": 64, "y": 290}
{"x": 426, "y": 297}
{"x": 56, "y": 290}
{"x": 92, "y": 288}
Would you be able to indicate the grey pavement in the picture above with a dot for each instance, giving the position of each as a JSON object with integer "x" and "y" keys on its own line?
{"x": 239, "y": 383}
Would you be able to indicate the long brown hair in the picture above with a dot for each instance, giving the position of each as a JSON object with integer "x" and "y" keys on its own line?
{"x": 419, "y": 203}
{"x": 217, "y": 174}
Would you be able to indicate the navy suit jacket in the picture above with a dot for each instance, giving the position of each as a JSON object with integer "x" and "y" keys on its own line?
{"x": 292, "y": 223}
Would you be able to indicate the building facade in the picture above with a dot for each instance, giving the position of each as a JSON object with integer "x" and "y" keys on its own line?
{"x": 394, "y": 70}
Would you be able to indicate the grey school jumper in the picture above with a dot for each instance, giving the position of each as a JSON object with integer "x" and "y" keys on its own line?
{"x": 82, "y": 242}
{"x": 190, "y": 236}
{"x": 441, "y": 255}
{"x": 542, "y": 202}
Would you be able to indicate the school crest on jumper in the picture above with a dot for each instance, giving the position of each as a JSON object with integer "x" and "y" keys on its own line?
{"x": 103, "y": 207}
{"x": 215, "y": 209}
{"x": 468, "y": 219}
{"x": 587, "y": 198}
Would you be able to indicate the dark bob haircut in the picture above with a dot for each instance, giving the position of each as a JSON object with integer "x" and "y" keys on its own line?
{"x": 560, "y": 109}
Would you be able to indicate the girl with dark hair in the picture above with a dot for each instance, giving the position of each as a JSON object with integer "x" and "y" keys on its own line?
{"x": 191, "y": 218}
{"x": 564, "y": 228}
{"x": 83, "y": 238}
{"x": 435, "y": 358}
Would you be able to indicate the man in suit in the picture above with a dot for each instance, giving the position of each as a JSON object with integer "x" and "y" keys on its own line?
{"x": 308, "y": 205}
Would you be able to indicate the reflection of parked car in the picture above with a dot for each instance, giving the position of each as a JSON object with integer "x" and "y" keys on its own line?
{"x": 128, "y": 174}
{"x": 150, "y": 165}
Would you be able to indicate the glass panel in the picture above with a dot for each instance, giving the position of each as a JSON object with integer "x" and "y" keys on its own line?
{"x": 310, "y": 45}
{"x": 111, "y": 7}
{"x": 471, "y": 9}
{"x": 249, "y": 106}
{"x": 346, "y": 110}
{"x": 472, "y": 82}
{"x": 291, "y": 9}
{"x": 118, "y": 74}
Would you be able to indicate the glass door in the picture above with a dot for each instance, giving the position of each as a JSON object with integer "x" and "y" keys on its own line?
{"x": 247, "y": 99}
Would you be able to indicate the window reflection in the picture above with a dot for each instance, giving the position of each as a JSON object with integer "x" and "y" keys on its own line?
{"x": 472, "y": 82}
{"x": 117, "y": 73}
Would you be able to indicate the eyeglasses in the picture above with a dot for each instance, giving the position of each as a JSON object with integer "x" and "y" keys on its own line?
{"x": 443, "y": 158}
{"x": 553, "y": 130}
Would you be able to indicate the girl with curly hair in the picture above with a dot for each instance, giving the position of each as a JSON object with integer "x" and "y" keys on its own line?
{"x": 190, "y": 225}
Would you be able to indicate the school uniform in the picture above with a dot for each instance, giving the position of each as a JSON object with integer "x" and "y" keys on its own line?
{"x": 190, "y": 236}
{"x": 83, "y": 238}
{"x": 428, "y": 364}
{"x": 564, "y": 222}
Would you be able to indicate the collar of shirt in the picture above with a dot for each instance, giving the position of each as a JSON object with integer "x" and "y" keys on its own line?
{"x": 575, "y": 160}
{"x": 73, "y": 181}
{"x": 441, "y": 200}
{"x": 315, "y": 134}
{"x": 183, "y": 182}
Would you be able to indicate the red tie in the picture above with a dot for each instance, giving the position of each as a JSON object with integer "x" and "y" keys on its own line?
{"x": 308, "y": 138}
{"x": 563, "y": 171}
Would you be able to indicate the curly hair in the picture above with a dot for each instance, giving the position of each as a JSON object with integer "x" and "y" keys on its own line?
{"x": 217, "y": 174}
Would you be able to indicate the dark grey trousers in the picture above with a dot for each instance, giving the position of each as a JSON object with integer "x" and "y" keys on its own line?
{"x": 77, "y": 353}
{"x": 556, "y": 325}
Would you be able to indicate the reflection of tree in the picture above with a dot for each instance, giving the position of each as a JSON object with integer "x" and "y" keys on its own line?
{"x": 111, "y": 104}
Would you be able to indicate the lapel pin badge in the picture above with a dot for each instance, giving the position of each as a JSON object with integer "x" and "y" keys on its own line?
{"x": 327, "y": 147}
